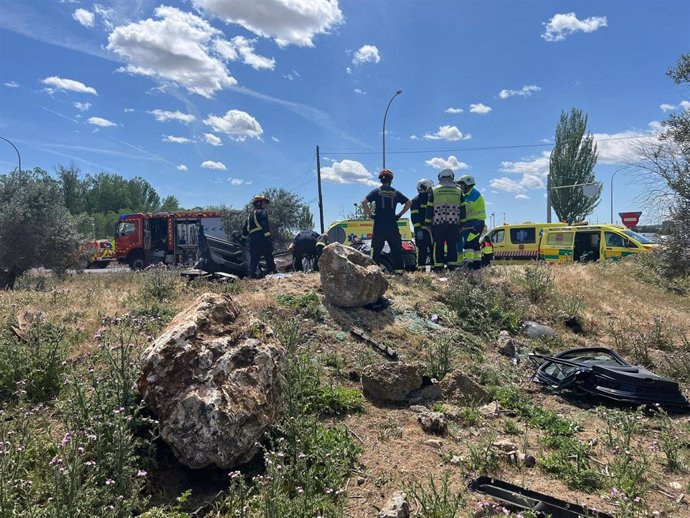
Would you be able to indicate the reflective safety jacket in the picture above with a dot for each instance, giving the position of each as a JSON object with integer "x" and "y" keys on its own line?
{"x": 256, "y": 224}
{"x": 445, "y": 205}
{"x": 418, "y": 210}
{"x": 487, "y": 248}
{"x": 474, "y": 206}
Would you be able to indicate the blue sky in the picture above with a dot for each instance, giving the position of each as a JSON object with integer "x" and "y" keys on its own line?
{"x": 215, "y": 100}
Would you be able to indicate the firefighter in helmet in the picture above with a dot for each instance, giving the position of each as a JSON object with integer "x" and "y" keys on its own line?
{"x": 444, "y": 213}
{"x": 422, "y": 236}
{"x": 258, "y": 230}
{"x": 386, "y": 230}
{"x": 473, "y": 224}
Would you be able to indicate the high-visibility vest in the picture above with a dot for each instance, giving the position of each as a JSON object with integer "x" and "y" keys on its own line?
{"x": 444, "y": 205}
{"x": 488, "y": 249}
{"x": 253, "y": 224}
{"x": 474, "y": 206}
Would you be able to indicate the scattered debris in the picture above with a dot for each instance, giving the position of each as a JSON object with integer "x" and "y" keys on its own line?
{"x": 458, "y": 386}
{"x": 379, "y": 347}
{"x": 602, "y": 372}
{"x": 434, "y": 443}
{"x": 574, "y": 323}
{"x": 391, "y": 381}
{"x": 24, "y": 321}
{"x": 523, "y": 499}
{"x": 418, "y": 409}
{"x": 195, "y": 273}
{"x": 490, "y": 410}
{"x": 536, "y": 331}
{"x": 396, "y": 507}
{"x": 433, "y": 422}
{"x": 506, "y": 345}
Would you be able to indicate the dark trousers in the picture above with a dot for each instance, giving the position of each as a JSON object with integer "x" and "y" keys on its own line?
{"x": 390, "y": 235}
{"x": 260, "y": 246}
{"x": 486, "y": 259}
{"x": 446, "y": 236}
{"x": 425, "y": 253}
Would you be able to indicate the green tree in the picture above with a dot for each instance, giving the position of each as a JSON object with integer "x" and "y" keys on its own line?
{"x": 73, "y": 188}
{"x": 36, "y": 229}
{"x": 169, "y": 204}
{"x": 572, "y": 163}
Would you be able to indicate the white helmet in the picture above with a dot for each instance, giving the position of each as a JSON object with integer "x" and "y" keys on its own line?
{"x": 446, "y": 173}
{"x": 424, "y": 185}
{"x": 467, "y": 180}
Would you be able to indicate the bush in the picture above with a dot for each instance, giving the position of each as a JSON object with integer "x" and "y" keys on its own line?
{"x": 436, "y": 500}
{"x": 439, "y": 356}
{"x": 537, "y": 280}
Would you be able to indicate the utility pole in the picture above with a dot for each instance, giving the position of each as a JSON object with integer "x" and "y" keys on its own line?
{"x": 318, "y": 178}
{"x": 548, "y": 198}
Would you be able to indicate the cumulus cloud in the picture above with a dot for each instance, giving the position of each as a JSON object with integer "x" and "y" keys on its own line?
{"x": 288, "y": 22}
{"x": 55, "y": 84}
{"x": 538, "y": 165}
{"x": 525, "y": 91}
{"x": 86, "y": 18}
{"x": 238, "y": 125}
{"x": 99, "y": 121}
{"x": 182, "y": 167}
{"x": 213, "y": 139}
{"x": 11, "y": 84}
{"x": 564, "y": 24}
{"x": 449, "y": 133}
{"x": 239, "y": 181}
{"x": 506, "y": 185}
{"x": 210, "y": 164}
{"x": 624, "y": 146}
{"x": 668, "y": 107}
{"x": 347, "y": 171}
{"x": 82, "y": 107}
{"x": 360, "y": 92}
{"x": 521, "y": 197}
{"x": 685, "y": 105}
{"x": 366, "y": 54}
{"x": 480, "y": 108}
{"x": 164, "y": 116}
{"x": 176, "y": 46}
{"x": 446, "y": 163}
{"x": 454, "y": 110}
{"x": 176, "y": 140}
{"x": 245, "y": 48}
{"x": 533, "y": 171}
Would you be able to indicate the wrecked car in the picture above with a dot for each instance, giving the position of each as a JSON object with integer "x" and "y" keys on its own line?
{"x": 601, "y": 372}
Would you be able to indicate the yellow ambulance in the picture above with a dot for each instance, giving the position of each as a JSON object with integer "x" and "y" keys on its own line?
{"x": 516, "y": 244}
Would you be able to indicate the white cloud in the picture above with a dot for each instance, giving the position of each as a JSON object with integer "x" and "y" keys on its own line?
{"x": 292, "y": 75}
{"x": 239, "y": 181}
{"x": 360, "y": 92}
{"x": 177, "y": 47}
{"x": 275, "y": 139}
{"x": 545, "y": 141}
{"x": 238, "y": 125}
{"x": 525, "y": 91}
{"x": 11, "y": 84}
{"x": 164, "y": 116}
{"x": 521, "y": 197}
{"x": 446, "y": 163}
{"x": 245, "y": 48}
{"x": 366, "y": 54}
{"x": 182, "y": 167}
{"x": 454, "y": 110}
{"x": 562, "y": 25}
{"x": 506, "y": 185}
{"x": 210, "y": 164}
{"x": 288, "y": 22}
{"x": 450, "y": 133}
{"x": 129, "y": 110}
{"x": 623, "y": 147}
{"x": 685, "y": 105}
{"x": 538, "y": 165}
{"x": 176, "y": 140}
{"x": 82, "y": 107}
{"x": 533, "y": 173}
{"x": 348, "y": 70}
{"x": 347, "y": 171}
{"x": 667, "y": 107}
{"x": 86, "y": 18}
{"x": 56, "y": 83}
{"x": 213, "y": 139}
{"x": 480, "y": 108}
{"x": 99, "y": 121}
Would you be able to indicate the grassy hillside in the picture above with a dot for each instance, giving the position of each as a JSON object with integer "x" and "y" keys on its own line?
{"x": 77, "y": 442}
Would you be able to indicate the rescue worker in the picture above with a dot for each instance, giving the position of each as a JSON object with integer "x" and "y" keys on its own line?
{"x": 303, "y": 246}
{"x": 386, "y": 230}
{"x": 444, "y": 213}
{"x": 422, "y": 237}
{"x": 487, "y": 251}
{"x": 258, "y": 230}
{"x": 473, "y": 223}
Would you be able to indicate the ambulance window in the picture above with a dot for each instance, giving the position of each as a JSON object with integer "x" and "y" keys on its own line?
{"x": 498, "y": 236}
{"x": 523, "y": 236}
{"x": 560, "y": 239}
{"x": 613, "y": 239}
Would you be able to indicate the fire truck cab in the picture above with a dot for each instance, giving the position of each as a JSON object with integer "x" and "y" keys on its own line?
{"x": 164, "y": 237}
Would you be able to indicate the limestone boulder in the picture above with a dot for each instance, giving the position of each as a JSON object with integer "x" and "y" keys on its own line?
{"x": 392, "y": 381}
{"x": 350, "y": 278}
{"x": 213, "y": 379}
{"x": 458, "y": 387}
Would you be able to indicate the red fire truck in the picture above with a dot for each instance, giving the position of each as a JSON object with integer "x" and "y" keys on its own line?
{"x": 163, "y": 237}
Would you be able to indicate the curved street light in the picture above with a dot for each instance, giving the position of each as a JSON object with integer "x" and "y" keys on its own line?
{"x": 612, "y": 177}
{"x": 384, "y": 125}
{"x": 19, "y": 157}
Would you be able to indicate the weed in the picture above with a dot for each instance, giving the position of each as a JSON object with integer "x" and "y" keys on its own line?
{"x": 570, "y": 462}
{"x": 159, "y": 288}
{"x": 482, "y": 457}
{"x": 621, "y": 427}
{"x": 535, "y": 416}
{"x": 638, "y": 339}
{"x": 335, "y": 361}
{"x": 510, "y": 427}
{"x": 389, "y": 429}
{"x": 537, "y": 280}
{"x": 573, "y": 305}
{"x": 628, "y": 473}
{"x": 309, "y": 305}
{"x": 488, "y": 509}
{"x": 629, "y": 507}
{"x": 676, "y": 364}
{"x": 671, "y": 443}
{"x": 436, "y": 499}
{"x": 470, "y": 416}
{"x": 336, "y": 400}
{"x": 439, "y": 357}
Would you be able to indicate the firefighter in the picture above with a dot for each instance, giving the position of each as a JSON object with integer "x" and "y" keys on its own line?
{"x": 386, "y": 230}
{"x": 444, "y": 213}
{"x": 258, "y": 230}
{"x": 422, "y": 237}
{"x": 487, "y": 251}
{"x": 303, "y": 246}
{"x": 473, "y": 223}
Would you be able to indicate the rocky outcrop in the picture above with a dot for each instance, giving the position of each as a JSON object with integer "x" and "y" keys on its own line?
{"x": 458, "y": 387}
{"x": 213, "y": 384}
{"x": 391, "y": 381}
{"x": 349, "y": 278}
{"x": 433, "y": 422}
{"x": 396, "y": 507}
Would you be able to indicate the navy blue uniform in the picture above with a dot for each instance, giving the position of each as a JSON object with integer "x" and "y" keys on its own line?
{"x": 304, "y": 245}
{"x": 386, "y": 224}
{"x": 422, "y": 238}
{"x": 258, "y": 230}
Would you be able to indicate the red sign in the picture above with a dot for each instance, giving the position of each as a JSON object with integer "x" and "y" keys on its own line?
{"x": 630, "y": 219}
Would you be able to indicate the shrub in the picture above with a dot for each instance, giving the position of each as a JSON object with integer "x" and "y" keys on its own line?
{"x": 570, "y": 461}
{"x": 309, "y": 305}
{"x": 537, "y": 280}
{"x": 439, "y": 356}
{"x": 436, "y": 499}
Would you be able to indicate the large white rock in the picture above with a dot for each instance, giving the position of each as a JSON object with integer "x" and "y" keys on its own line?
{"x": 349, "y": 278}
{"x": 214, "y": 387}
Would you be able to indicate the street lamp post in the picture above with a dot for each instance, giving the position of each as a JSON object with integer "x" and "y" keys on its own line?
{"x": 19, "y": 157}
{"x": 612, "y": 177}
{"x": 384, "y": 125}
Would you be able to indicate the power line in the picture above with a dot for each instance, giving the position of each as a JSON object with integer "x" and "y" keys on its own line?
{"x": 458, "y": 150}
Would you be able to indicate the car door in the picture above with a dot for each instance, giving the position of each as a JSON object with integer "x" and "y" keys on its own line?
{"x": 615, "y": 246}
{"x": 557, "y": 246}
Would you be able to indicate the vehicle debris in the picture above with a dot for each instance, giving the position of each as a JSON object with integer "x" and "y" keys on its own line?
{"x": 524, "y": 499}
{"x": 379, "y": 347}
{"x": 602, "y": 372}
